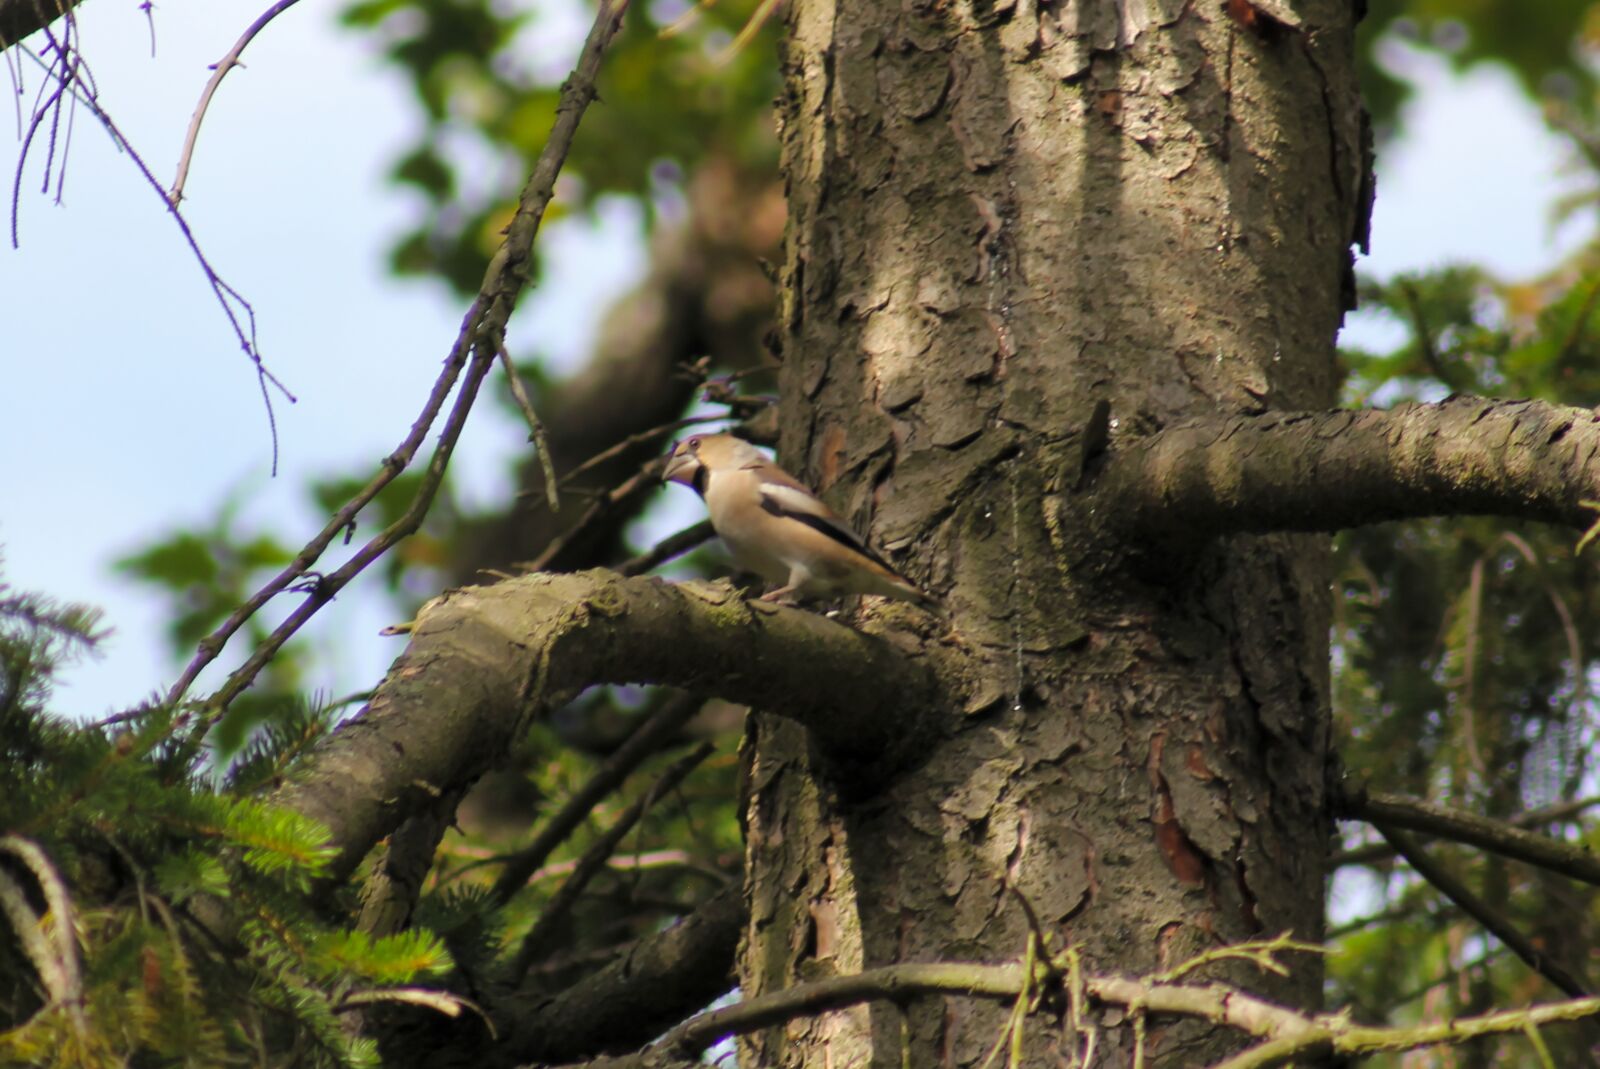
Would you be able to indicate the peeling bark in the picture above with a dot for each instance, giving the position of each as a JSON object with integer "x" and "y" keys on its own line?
{"x": 999, "y": 216}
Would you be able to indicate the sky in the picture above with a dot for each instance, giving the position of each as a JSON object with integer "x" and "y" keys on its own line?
{"x": 127, "y": 410}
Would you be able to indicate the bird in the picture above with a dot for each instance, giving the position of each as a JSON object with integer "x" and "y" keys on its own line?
{"x": 777, "y": 528}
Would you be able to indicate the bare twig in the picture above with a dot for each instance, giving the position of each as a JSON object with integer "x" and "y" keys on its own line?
{"x": 219, "y": 71}
{"x": 640, "y": 438}
{"x": 671, "y": 546}
{"x": 594, "y": 860}
{"x": 647, "y": 740}
{"x": 73, "y": 78}
{"x": 441, "y": 1001}
{"x": 482, "y": 333}
{"x": 1480, "y": 911}
{"x": 643, "y": 480}
{"x": 536, "y": 434}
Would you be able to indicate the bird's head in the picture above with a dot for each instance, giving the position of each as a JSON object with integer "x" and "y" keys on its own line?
{"x": 694, "y": 458}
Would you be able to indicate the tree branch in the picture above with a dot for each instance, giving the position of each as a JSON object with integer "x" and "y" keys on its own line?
{"x": 1480, "y": 911}
{"x": 482, "y": 335}
{"x": 1326, "y": 471}
{"x": 1371, "y": 853}
{"x": 483, "y": 661}
{"x": 1285, "y": 1033}
{"x": 635, "y": 998}
{"x": 1398, "y": 811}
{"x": 20, "y": 18}
{"x": 594, "y": 860}
{"x": 219, "y": 71}
{"x": 651, "y": 736}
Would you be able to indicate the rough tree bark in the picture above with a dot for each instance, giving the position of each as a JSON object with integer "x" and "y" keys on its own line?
{"x": 1001, "y": 214}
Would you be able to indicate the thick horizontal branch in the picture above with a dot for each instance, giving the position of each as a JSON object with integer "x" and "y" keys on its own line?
{"x": 1398, "y": 811}
{"x": 483, "y": 662}
{"x": 1326, "y": 471}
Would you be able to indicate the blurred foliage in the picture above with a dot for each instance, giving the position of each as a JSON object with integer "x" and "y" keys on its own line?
{"x": 1549, "y": 47}
{"x": 1465, "y": 655}
{"x": 672, "y": 92}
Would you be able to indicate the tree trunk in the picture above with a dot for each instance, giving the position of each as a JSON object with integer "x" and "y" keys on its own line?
{"x": 1001, "y": 215}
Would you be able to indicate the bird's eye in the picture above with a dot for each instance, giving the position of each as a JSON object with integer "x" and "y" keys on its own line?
{"x": 694, "y": 445}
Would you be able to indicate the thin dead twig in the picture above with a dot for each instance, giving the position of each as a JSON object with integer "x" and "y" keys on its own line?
{"x": 481, "y": 336}
{"x": 74, "y": 78}
{"x": 647, "y": 740}
{"x": 536, "y": 434}
{"x": 219, "y": 71}
{"x": 594, "y": 860}
{"x": 673, "y": 545}
{"x": 1480, "y": 911}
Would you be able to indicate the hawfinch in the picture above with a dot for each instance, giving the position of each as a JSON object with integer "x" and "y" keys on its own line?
{"x": 777, "y": 528}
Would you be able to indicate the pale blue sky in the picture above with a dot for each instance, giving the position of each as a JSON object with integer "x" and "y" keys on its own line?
{"x": 133, "y": 412}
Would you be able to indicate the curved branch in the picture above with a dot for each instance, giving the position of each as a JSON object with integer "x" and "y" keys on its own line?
{"x": 484, "y": 661}
{"x": 1325, "y": 471}
{"x": 219, "y": 71}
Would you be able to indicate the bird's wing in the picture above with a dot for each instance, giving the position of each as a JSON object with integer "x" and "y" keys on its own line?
{"x": 786, "y": 497}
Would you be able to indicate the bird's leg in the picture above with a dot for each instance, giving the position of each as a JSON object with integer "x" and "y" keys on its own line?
{"x": 798, "y": 578}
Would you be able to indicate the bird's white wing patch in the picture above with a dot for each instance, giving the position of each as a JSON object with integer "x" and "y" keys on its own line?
{"x": 804, "y": 507}
{"x": 795, "y": 502}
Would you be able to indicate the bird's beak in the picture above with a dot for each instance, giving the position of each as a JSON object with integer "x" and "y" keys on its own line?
{"x": 680, "y": 469}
